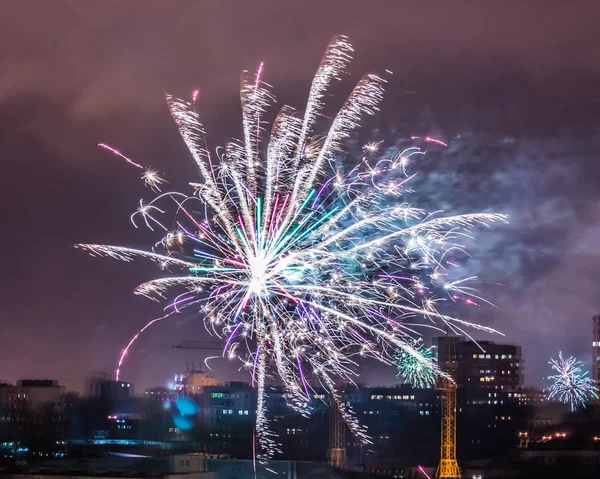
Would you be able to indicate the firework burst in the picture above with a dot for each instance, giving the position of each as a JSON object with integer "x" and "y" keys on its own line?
{"x": 419, "y": 374}
{"x": 299, "y": 264}
{"x": 571, "y": 385}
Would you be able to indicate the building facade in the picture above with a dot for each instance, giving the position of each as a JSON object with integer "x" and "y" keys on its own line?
{"x": 32, "y": 415}
{"x": 193, "y": 382}
{"x": 489, "y": 379}
{"x": 487, "y": 373}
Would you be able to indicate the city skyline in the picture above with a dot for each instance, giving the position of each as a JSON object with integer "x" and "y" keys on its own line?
{"x": 65, "y": 315}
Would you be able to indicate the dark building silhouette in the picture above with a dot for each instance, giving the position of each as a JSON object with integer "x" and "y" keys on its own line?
{"x": 32, "y": 416}
{"x": 489, "y": 382}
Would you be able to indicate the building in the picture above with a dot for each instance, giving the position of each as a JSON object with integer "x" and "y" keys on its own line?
{"x": 489, "y": 379}
{"x": 32, "y": 415}
{"x": 233, "y": 400}
{"x": 596, "y": 348}
{"x": 161, "y": 395}
{"x": 488, "y": 373}
{"x": 100, "y": 386}
{"x": 193, "y": 382}
{"x": 529, "y": 396}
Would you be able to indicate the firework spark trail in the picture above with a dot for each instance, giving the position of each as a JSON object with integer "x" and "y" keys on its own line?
{"x": 151, "y": 177}
{"x": 134, "y": 339}
{"x": 307, "y": 266}
{"x": 118, "y": 153}
{"x": 414, "y": 372}
{"x": 571, "y": 385}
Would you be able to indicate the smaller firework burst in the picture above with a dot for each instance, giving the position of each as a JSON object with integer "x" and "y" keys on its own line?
{"x": 419, "y": 374}
{"x": 571, "y": 385}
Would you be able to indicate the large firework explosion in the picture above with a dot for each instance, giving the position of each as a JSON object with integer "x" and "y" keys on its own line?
{"x": 299, "y": 264}
{"x": 571, "y": 384}
{"x": 413, "y": 370}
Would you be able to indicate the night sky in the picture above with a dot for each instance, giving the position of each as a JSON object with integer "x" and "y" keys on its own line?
{"x": 513, "y": 90}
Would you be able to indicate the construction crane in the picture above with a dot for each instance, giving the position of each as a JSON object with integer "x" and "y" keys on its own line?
{"x": 194, "y": 344}
{"x": 204, "y": 345}
{"x": 448, "y": 467}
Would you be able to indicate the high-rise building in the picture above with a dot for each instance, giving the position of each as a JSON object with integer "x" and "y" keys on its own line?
{"x": 596, "y": 348}
{"x": 489, "y": 381}
{"x": 486, "y": 372}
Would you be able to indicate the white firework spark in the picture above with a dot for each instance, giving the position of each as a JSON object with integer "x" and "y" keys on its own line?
{"x": 299, "y": 266}
{"x": 571, "y": 385}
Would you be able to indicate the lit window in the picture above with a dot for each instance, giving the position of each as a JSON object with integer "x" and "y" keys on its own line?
{"x": 474, "y": 356}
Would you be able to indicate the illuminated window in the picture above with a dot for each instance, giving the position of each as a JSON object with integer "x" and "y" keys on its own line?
{"x": 474, "y": 356}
